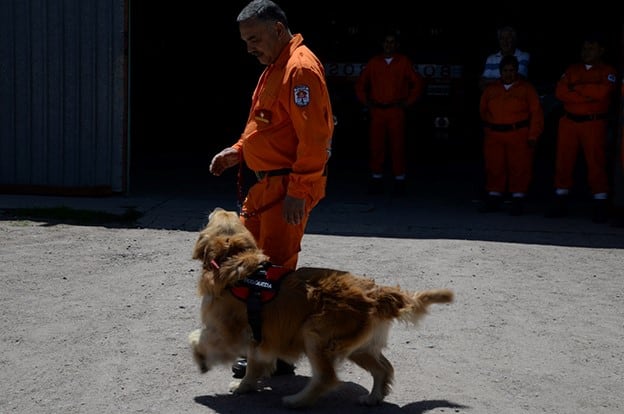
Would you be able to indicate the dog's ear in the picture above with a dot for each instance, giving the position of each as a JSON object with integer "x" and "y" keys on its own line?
{"x": 239, "y": 267}
{"x": 217, "y": 249}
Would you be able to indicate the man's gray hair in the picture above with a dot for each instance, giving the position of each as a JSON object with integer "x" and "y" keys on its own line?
{"x": 508, "y": 29}
{"x": 263, "y": 10}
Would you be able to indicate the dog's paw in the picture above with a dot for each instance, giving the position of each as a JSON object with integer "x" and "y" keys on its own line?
{"x": 370, "y": 400}
{"x": 242, "y": 387}
{"x": 194, "y": 336}
{"x": 199, "y": 358}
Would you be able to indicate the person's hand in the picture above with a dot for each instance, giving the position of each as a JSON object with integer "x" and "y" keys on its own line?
{"x": 294, "y": 210}
{"x": 224, "y": 160}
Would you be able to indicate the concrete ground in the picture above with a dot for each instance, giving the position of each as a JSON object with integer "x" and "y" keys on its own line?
{"x": 95, "y": 315}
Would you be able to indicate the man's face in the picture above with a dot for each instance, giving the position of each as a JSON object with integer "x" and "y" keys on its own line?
{"x": 591, "y": 52}
{"x": 507, "y": 43}
{"x": 390, "y": 45}
{"x": 509, "y": 74}
{"x": 262, "y": 39}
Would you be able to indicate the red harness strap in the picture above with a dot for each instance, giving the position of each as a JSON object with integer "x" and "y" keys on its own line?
{"x": 267, "y": 283}
{"x": 259, "y": 288}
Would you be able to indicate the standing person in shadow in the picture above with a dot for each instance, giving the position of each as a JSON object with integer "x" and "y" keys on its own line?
{"x": 388, "y": 85}
{"x": 513, "y": 120}
{"x": 587, "y": 90}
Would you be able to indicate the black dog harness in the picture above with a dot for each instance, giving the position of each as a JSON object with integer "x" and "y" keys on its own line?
{"x": 257, "y": 289}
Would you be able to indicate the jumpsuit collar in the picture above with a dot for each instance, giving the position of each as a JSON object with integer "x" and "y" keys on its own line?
{"x": 288, "y": 50}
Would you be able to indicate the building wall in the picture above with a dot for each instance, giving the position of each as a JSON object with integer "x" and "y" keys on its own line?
{"x": 63, "y": 96}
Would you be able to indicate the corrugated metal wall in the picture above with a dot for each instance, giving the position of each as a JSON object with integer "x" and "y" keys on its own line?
{"x": 63, "y": 96}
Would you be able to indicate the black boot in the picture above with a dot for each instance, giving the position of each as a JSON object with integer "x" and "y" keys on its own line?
{"x": 282, "y": 368}
{"x": 517, "y": 206}
{"x": 600, "y": 212}
{"x": 239, "y": 368}
{"x": 398, "y": 189}
{"x": 376, "y": 186}
{"x": 491, "y": 204}
{"x": 559, "y": 207}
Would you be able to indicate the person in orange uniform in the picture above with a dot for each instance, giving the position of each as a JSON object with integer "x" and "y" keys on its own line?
{"x": 513, "y": 121}
{"x": 587, "y": 90}
{"x": 287, "y": 138}
{"x": 388, "y": 85}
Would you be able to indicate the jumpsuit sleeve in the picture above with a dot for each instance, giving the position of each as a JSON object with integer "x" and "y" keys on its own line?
{"x": 536, "y": 114}
{"x": 483, "y": 105}
{"x": 362, "y": 85}
{"x": 565, "y": 93}
{"x": 599, "y": 91}
{"x": 313, "y": 124}
{"x": 416, "y": 84}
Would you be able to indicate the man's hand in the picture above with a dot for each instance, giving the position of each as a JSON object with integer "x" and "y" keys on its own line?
{"x": 224, "y": 160}
{"x": 294, "y": 210}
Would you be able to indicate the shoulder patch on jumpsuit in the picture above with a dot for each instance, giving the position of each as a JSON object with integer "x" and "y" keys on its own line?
{"x": 301, "y": 95}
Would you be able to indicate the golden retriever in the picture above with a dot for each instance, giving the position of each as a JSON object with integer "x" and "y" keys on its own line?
{"x": 327, "y": 315}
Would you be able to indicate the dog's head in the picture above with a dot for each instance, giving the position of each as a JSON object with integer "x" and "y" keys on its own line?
{"x": 227, "y": 250}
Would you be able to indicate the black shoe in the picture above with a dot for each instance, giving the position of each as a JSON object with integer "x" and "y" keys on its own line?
{"x": 399, "y": 188}
{"x": 517, "y": 206}
{"x": 559, "y": 208}
{"x": 376, "y": 186}
{"x": 239, "y": 368}
{"x": 491, "y": 204}
{"x": 600, "y": 211}
{"x": 282, "y": 368}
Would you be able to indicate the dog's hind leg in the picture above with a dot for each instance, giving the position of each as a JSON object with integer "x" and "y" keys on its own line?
{"x": 323, "y": 380}
{"x": 382, "y": 371}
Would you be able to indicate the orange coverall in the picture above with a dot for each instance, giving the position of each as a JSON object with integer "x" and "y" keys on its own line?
{"x": 290, "y": 126}
{"x": 584, "y": 92}
{"x": 506, "y": 150}
{"x": 387, "y": 89}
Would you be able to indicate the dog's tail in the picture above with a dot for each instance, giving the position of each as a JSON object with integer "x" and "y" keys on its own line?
{"x": 421, "y": 300}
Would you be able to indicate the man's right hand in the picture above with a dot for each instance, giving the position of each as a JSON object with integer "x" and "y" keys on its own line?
{"x": 224, "y": 160}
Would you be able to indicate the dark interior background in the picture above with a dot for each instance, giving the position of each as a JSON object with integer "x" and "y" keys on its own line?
{"x": 191, "y": 79}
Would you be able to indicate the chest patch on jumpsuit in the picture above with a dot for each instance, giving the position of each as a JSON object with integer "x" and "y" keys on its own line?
{"x": 302, "y": 95}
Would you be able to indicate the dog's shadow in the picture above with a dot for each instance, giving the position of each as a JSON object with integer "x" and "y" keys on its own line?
{"x": 343, "y": 399}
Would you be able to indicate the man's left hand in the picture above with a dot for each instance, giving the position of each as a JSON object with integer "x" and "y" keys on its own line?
{"x": 294, "y": 210}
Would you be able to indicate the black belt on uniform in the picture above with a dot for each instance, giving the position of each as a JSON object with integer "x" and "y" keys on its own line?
{"x": 383, "y": 105}
{"x": 585, "y": 118}
{"x": 508, "y": 127}
{"x": 272, "y": 173}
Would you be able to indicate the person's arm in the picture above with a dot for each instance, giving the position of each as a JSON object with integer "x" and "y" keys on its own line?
{"x": 491, "y": 72}
{"x": 362, "y": 85}
{"x": 536, "y": 115}
{"x": 312, "y": 120}
{"x": 567, "y": 91}
{"x": 602, "y": 90}
{"x": 416, "y": 84}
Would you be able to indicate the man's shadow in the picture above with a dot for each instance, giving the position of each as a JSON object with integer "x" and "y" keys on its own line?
{"x": 343, "y": 399}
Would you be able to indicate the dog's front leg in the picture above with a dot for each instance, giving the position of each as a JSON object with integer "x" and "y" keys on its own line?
{"x": 253, "y": 372}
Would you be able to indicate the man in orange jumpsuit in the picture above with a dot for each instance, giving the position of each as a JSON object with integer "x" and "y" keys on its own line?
{"x": 388, "y": 85}
{"x": 587, "y": 90}
{"x": 286, "y": 140}
{"x": 513, "y": 121}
